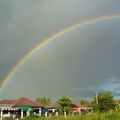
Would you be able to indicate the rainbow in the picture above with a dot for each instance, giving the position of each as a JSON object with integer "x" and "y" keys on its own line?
{"x": 52, "y": 38}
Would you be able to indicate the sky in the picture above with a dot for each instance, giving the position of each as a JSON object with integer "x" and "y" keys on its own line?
{"x": 76, "y": 64}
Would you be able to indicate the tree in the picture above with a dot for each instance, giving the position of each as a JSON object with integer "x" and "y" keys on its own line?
{"x": 84, "y": 102}
{"x": 117, "y": 105}
{"x": 65, "y": 103}
{"x": 103, "y": 101}
{"x": 43, "y": 101}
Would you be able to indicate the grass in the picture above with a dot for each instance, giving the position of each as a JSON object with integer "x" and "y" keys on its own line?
{"x": 93, "y": 116}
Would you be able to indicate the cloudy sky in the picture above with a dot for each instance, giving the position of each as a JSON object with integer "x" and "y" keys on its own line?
{"x": 76, "y": 64}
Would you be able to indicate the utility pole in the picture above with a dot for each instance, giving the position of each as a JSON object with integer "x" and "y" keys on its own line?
{"x": 96, "y": 97}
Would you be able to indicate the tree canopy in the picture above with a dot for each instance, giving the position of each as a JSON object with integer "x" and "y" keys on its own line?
{"x": 84, "y": 102}
{"x": 43, "y": 101}
{"x": 104, "y": 101}
{"x": 65, "y": 103}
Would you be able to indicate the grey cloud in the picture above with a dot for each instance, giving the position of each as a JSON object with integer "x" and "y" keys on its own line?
{"x": 83, "y": 59}
{"x": 67, "y": 66}
{"x": 113, "y": 80}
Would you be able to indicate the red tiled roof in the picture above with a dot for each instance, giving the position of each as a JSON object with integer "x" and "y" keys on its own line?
{"x": 54, "y": 105}
{"x": 74, "y": 105}
{"x": 21, "y": 102}
{"x": 25, "y": 102}
{"x": 77, "y": 103}
{"x": 8, "y": 102}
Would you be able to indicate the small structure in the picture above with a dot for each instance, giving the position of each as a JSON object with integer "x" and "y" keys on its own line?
{"x": 27, "y": 106}
{"x": 19, "y": 108}
{"x": 52, "y": 108}
{"x": 7, "y": 108}
{"x": 76, "y": 108}
{"x": 85, "y": 108}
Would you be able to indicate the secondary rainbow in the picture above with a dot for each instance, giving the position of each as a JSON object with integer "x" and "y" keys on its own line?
{"x": 52, "y": 38}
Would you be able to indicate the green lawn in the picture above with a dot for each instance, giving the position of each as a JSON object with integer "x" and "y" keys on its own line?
{"x": 93, "y": 116}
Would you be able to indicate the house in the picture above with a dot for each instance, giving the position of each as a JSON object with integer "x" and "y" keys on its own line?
{"x": 53, "y": 107}
{"x": 77, "y": 108}
{"x": 19, "y": 108}
{"x": 85, "y": 109}
{"x": 7, "y": 108}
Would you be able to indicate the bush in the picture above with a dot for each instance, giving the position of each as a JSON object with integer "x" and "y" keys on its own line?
{"x": 32, "y": 117}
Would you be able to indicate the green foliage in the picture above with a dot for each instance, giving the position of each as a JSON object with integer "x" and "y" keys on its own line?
{"x": 95, "y": 107}
{"x": 92, "y": 116}
{"x": 104, "y": 102}
{"x": 84, "y": 102}
{"x": 65, "y": 103}
{"x": 32, "y": 117}
{"x": 117, "y": 106}
{"x": 43, "y": 101}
